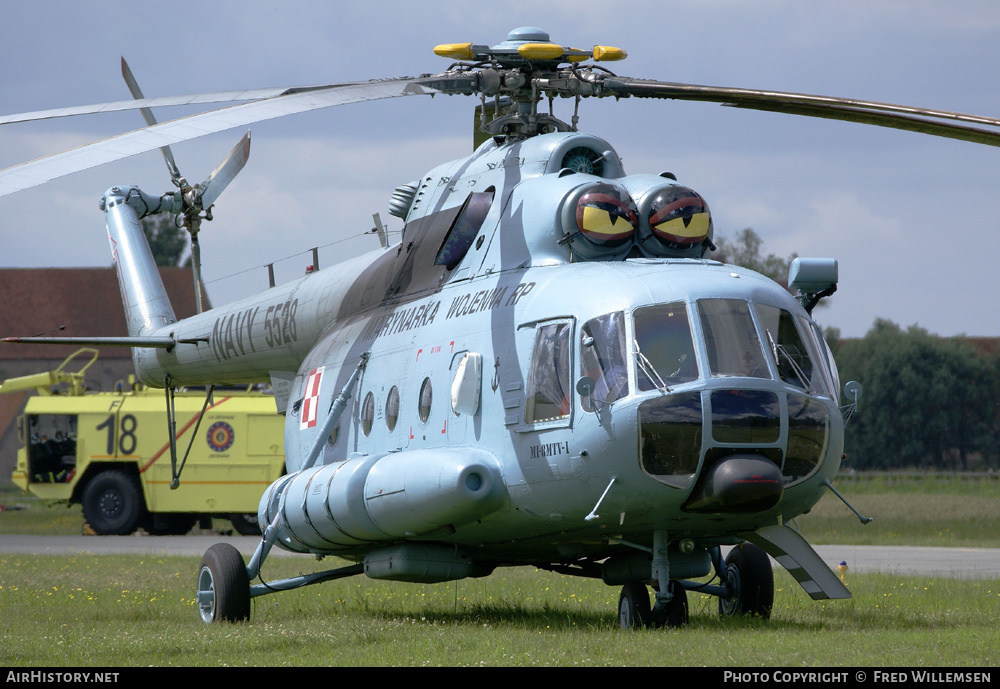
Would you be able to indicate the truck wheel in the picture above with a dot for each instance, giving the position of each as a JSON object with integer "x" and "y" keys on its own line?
{"x": 245, "y": 524}
{"x": 223, "y": 585}
{"x": 112, "y": 503}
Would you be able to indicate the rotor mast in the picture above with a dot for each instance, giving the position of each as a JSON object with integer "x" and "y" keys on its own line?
{"x": 517, "y": 74}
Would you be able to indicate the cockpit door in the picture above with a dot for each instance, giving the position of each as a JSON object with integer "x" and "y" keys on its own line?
{"x": 548, "y": 399}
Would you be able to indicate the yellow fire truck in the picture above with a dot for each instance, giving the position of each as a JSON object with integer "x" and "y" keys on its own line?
{"x": 111, "y": 452}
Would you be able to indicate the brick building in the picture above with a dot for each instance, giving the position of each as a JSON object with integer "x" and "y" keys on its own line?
{"x": 83, "y": 302}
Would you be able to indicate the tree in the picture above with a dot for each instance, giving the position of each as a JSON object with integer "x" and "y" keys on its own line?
{"x": 746, "y": 250}
{"x": 166, "y": 240}
{"x": 928, "y": 401}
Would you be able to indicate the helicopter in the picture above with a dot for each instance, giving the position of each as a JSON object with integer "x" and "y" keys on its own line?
{"x": 547, "y": 369}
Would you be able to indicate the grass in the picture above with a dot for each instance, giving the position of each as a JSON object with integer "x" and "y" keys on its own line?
{"x": 947, "y": 510}
{"x": 123, "y": 611}
{"x": 116, "y": 611}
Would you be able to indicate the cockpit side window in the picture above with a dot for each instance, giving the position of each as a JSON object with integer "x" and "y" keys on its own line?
{"x": 793, "y": 356}
{"x": 548, "y": 388}
{"x": 603, "y": 358}
{"x": 664, "y": 350}
{"x": 819, "y": 350}
{"x": 731, "y": 339}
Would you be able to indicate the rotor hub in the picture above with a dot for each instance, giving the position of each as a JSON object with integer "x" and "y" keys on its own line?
{"x": 517, "y": 74}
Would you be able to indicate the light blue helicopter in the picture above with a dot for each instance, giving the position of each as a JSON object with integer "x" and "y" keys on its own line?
{"x": 548, "y": 369}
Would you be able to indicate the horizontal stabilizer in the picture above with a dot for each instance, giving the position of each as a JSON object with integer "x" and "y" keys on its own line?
{"x": 147, "y": 342}
{"x": 792, "y": 552}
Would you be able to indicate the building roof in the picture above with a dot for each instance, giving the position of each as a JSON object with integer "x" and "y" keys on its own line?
{"x": 986, "y": 346}
{"x": 84, "y": 302}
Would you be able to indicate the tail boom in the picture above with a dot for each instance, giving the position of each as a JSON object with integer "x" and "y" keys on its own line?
{"x": 147, "y": 306}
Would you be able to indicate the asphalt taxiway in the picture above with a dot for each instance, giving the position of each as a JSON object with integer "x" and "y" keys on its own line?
{"x": 967, "y": 563}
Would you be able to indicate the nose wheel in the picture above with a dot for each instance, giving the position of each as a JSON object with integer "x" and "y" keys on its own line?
{"x": 633, "y": 606}
{"x": 750, "y": 581}
{"x": 676, "y": 612}
{"x": 634, "y": 611}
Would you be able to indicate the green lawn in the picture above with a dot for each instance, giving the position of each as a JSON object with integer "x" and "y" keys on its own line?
{"x": 928, "y": 511}
{"x": 111, "y": 611}
{"x": 122, "y": 611}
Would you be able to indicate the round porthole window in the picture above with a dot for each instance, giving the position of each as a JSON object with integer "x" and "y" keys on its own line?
{"x": 392, "y": 408}
{"x": 368, "y": 414}
{"x": 424, "y": 403}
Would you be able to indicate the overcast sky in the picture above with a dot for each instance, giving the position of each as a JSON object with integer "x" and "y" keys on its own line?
{"x": 913, "y": 220}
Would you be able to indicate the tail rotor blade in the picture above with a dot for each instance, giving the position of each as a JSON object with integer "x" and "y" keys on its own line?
{"x": 147, "y": 115}
{"x": 220, "y": 178}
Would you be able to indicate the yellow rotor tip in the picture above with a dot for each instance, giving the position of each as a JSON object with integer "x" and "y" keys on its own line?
{"x": 456, "y": 51}
{"x": 608, "y": 53}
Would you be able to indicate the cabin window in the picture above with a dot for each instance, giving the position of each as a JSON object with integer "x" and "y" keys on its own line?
{"x": 548, "y": 392}
{"x": 731, "y": 339}
{"x": 424, "y": 401}
{"x": 664, "y": 350}
{"x": 368, "y": 414}
{"x": 392, "y": 408}
{"x": 603, "y": 358}
{"x": 464, "y": 229}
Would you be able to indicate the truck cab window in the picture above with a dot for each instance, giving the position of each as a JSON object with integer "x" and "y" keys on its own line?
{"x": 51, "y": 447}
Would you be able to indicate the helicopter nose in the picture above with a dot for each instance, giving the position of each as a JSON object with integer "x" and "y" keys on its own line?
{"x": 740, "y": 483}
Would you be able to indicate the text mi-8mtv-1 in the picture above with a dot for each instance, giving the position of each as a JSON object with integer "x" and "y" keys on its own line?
{"x": 548, "y": 369}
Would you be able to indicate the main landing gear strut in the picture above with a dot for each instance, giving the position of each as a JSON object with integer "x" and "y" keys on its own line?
{"x": 746, "y": 588}
{"x": 224, "y": 589}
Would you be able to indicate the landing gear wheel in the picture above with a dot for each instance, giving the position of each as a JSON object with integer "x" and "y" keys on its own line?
{"x": 676, "y": 614}
{"x": 223, "y": 586}
{"x": 751, "y": 581}
{"x": 633, "y": 606}
{"x": 112, "y": 503}
{"x": 245, "y": 524}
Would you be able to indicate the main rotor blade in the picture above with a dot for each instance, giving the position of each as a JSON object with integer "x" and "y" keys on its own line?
{"x": 225, "y": 172}
{"x": 42, "y": 170}
{"x": 924, "y": 120}
{"x": 147, "y": 115}
{"x": 165, "y": 101}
